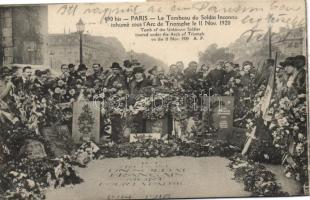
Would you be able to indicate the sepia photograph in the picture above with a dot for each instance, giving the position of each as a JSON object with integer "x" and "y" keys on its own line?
{"x": 154, "y": 100}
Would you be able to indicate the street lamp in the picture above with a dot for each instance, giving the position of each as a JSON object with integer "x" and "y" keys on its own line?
{"x": 80, "y": 26}
{"x": 52, "y": 53}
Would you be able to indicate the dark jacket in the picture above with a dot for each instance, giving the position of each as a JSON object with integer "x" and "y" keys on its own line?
{"x": 135, "y": 86}
{"x": 300, "y": 81}
{"x": 216, "y": 77}
{"x": 113, "y": 80}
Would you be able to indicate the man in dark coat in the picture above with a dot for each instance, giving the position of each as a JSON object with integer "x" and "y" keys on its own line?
{"x": 190, "y": 71}
{"x": 81, "y": 75}
{"x": 72, "y": 70}
{"x": 229, "y": 72}
{"x": 116, "y": 79}
{"x": 215, "y": 78}
{"x": 153, "y": 78}
{"x": 95, "y": 79}
{"x": 139, "y": 81}
{"x": 24, "y": 82}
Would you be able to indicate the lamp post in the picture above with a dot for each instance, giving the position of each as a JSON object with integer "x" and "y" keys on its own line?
{"x": 80, "y": 26}
{"x": 52, "y": 53}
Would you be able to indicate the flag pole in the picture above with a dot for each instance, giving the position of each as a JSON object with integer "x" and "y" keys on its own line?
{"x": 266, "y": 103}
{"x": 269, "y": 42}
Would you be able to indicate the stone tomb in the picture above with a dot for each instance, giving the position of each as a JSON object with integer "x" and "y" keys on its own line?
{"x": 221, "y": 108}
{"x": 153, "y": 178}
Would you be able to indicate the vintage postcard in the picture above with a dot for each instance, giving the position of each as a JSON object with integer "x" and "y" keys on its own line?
{"x": 154, "y": 100}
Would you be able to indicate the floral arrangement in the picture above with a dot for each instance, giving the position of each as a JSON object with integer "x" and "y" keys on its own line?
{"x": 255, "y": 177}
{"x": 287, "y": 123}
{"x": 27, "y": 179}
{"x": 171, "y": 147}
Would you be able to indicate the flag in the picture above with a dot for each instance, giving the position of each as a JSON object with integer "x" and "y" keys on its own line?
{"x": 265, "y": 105}
{"x": 269, "y": 90}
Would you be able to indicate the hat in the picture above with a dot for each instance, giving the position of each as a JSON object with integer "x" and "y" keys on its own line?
{"x": 153, "y": 69}
{"x": 287, "y": 61}
{"x": 127, "y": 63}
{"x": 299, "y": 61}
{"x": 38, "y": 73}
{"x": 138, "y": 70}
{"x": 71, "y": 65}
{"x": 115, "y": 65}
{"x": 82, "y": 67}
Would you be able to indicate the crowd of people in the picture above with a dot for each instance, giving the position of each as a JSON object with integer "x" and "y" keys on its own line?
{"x": 225, "y": 78}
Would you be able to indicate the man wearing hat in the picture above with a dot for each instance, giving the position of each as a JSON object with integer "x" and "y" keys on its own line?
{"x": 127, "y": 64}
{"x": 139, "y": 81}
{"x": 294, "y": 68}
{"x": 72, "y": 72}
{"x": 81, "y": 74}
{"x": 116, "y": 79}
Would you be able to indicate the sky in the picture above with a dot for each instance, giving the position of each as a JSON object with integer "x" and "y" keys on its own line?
{"x": 251, "y": 13}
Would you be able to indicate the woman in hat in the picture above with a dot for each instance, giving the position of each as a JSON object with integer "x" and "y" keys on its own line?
{"x": 294, "y": 68}
{"x": 139, "y": 81}
{"x": 153, "y": 78}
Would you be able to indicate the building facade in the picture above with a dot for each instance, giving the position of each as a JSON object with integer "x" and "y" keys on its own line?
{"x": 23, "y": 32}
{"x": 65, "y": 48}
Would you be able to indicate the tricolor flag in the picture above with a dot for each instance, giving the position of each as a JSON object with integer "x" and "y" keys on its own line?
{"x": 265, "y": 105}
{"x": 269, "y": 90}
